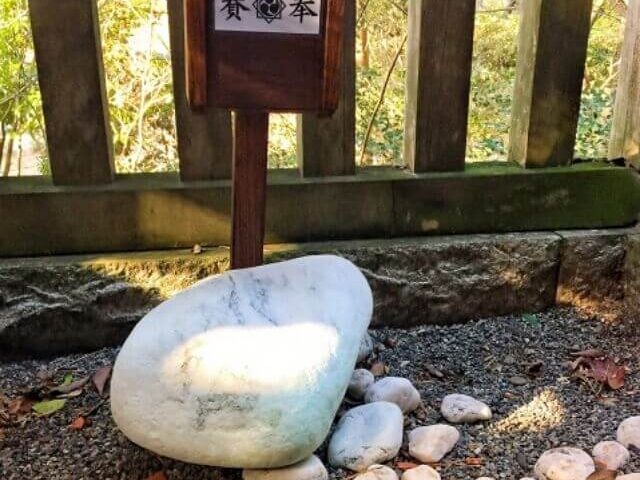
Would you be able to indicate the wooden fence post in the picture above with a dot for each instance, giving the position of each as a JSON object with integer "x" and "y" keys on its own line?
{"x": 440, "y": 50}
{"x": 625, "y": 132}
{"x": 552, "y": 50}
{"x": 68, "y": 53}
{"x": 326, "y": 145}
{"x": 204, "y": 138}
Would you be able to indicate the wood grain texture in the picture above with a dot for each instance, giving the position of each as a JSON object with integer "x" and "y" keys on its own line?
{"x": 277, "y": 72}
{"x": 625, "y": 131}
{"x": 249, "y": 188}
{"x": 552, "y": 50}
{"x": 68, "y": 52}
{"x": 204, "y": 138}
{"x": 333, "y": 50}
{"x": 440, "y": 48}
{"x": 163, "y": 212}
{"x": 326, "y": 144}
{"x": 195, "y": 31}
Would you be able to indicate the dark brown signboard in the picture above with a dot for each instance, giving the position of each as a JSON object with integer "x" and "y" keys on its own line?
{"x": 256, "y": 57}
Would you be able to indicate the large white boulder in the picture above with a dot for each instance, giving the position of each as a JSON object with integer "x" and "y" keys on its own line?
{"x": 309, "y": 469}
{"x": 246, "y": 369}
{"x": 564, "y": 463}
{"x": 367, "y": 435}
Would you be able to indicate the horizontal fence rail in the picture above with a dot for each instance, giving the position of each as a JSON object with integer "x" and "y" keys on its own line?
{"x": 86, "y": 207}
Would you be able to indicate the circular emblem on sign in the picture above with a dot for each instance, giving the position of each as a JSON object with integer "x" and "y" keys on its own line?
{"x": 269, "y": 10}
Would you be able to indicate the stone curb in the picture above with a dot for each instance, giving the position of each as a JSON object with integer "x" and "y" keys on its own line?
{"x": 59, "y": 305}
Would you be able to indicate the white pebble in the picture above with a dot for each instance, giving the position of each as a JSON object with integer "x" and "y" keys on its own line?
{"x": 367, "y": 435}
{"x": 309, "y": 469}
{"x": 629, "y": 432}
{"x": 458, "y": 408}
{"x": 613, "y": 455}
{"x": 377, "y": 472}
{"x": 423, "y": 472}
{"x": 395, "y": 390}
{"x": 360, "y": 381}
{"x": 564, "y": 463}
{"x": 485, "y": 478}
{"x": 430, "y": 444}
{"x": 630, "y": 476}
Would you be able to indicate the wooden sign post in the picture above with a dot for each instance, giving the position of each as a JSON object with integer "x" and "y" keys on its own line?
{"x": 256, "y": 57}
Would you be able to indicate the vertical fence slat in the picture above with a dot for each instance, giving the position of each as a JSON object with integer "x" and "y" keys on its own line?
{"x": 552, "y": 51}
{"x": 68, "y": 52}
{"x": 326, "y": 146}
{"x": 204, "y": 138}
{"x": 625, "y": 131}
{"x": 440, "y": 50}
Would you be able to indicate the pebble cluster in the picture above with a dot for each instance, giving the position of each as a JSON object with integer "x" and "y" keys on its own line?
{"x": 369, "y": 435}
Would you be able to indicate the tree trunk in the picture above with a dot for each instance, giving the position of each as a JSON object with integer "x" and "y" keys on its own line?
{"x": 8, "y": 156}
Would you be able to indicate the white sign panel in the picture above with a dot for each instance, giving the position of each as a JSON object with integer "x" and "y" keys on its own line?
{"x": 270, "y": 16}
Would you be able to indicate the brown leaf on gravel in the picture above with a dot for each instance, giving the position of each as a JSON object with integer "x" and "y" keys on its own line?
{"x": 603, "y": 475}
{"x": 157, "y": 476}
{"x": 378, "y": 369}
{"x": 406, "y": 465}
{"x": 474, "y": 461}
{"x": 100, "y": 378}
{"x": 70, "y": 387}
{"x": 603, "y": 369}
{"x": 433, "y": 371}
{"x": 20, "y": 406}
{"x": 589, "y": 353}
{"x": 78, "y": 424}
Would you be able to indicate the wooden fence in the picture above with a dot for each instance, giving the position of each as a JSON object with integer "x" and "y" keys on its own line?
{"x": 86, "y": 207}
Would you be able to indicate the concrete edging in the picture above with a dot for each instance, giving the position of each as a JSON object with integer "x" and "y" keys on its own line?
{"x": 54, "y": 305}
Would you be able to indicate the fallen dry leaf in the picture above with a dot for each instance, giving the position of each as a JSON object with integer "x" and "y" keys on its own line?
{"x": 589, "y": 353}
{"x": 433, "y": 371}
{"x": 406, "y": 465}
{"x": 603, "y": 369}
{"x": 603, "y": 475}
{"x": 100, "y": 378}
{"x": 20, "y": 406}
{"x": 378, "y": 369}
{"x": 70, "y": 387}
{"x": 473, "y": 461}
{"x": 78, "y": 424}
{"x": 157, "y": 476}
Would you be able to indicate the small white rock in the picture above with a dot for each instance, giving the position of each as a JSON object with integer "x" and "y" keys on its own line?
{"x": 309, "y": 469}
{"x": 430, "y": 444}
{"x": 630, "y": 476}
{"x": 395, "y": 390}
{"x": 366, "y": 347}
{"x": 613, "y": 455}
{"x": 423, "y": 472}
{"x": 485, "y": 478}
{"x": 367, "y": 435}
{"x": 360, "y": 381}
{"x": 458, "y": 408}
{"x": 629, "y": 432}
{"x": 377, "y": 472}
{"x": 564, "y": 463}
{"x": 527, "y": 478}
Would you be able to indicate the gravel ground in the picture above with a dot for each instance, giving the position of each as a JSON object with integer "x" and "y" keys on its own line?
{"x": 479, "y": 358}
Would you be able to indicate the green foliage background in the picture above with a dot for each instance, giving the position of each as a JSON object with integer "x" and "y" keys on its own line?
{"x": 137, "y": 64}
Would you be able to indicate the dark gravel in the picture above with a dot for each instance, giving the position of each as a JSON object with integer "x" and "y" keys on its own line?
{"x": 531, "y": 412}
